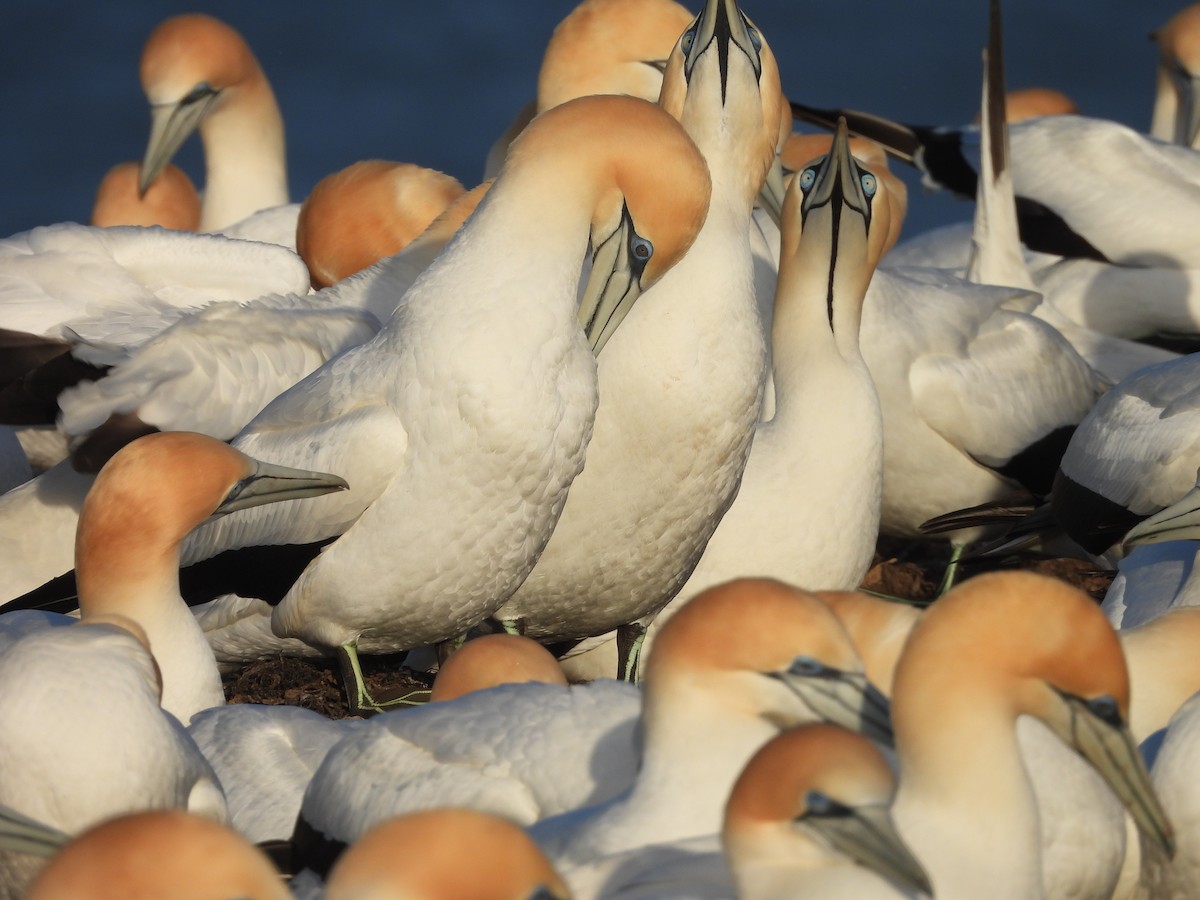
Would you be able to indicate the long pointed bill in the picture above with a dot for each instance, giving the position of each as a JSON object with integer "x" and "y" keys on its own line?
{"x": 1178, "y": 522}
{"x": 613, "y": 285}
{"x": 868, "y": 836}
{"x": 770, "y": 197}
{"x": 1100, "y": 737}
{"x": 21, "y": 834}
{"x": 721, "y": 26}
{"x": 836, "y": 199}
{"x": 843, "y": 698}
{"x": 271, "y": 484}
{"x": 1187, "y": 113}
{"x": 837, "y": 182}
{"x": 170, "y": 125}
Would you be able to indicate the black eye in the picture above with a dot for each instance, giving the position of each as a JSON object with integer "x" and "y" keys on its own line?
{"x": 641, "y": 248}
{"x": 685, "y": 42}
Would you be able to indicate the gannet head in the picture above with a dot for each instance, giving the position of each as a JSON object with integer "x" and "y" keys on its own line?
{"x": 1029, "y": 103}
{"x": 157, "y": 489}
{"x": 818, "y": 795}
{"x": 610, "y": 47}
{"x": 836, "y": 220}
{"x": 761, "y": 645}
{"x": 366, "y": 212}
{"x": 191, "y": 65}
{"x": 647, "y": 184}
{"x": 1179, "y": 63}
{"x": 193, "y": 857}
{"x": 1040, "y": 647}
{"x": 722, "y": 79}
{"x": 445, "y": 854}
{"x": 172, "y": 201}
{"x": 492, "y": 660}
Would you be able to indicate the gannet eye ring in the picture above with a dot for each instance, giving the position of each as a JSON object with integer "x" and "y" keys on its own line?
{"x": 807, "y": 177}
{"x": 869, "y": 184}
{"x": 824, "y": 806}
{"x": 1105, "y": 709}
{"x": 685, "y": 42}
{"x": 807, "y": 666}
{"x": 641, "y": 249}
{"x": 202, "y": 90}
{"x": 755, "y": 37}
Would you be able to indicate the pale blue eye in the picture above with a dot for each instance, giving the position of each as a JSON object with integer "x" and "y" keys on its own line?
{"x": 755, "y": 37}
{"x": 641, "y": 249}
{"x": 685, "y": 42}
{"x": 806, "y": 666}
{"x": 807, "y": 177}
{"x": 869, "y": 185}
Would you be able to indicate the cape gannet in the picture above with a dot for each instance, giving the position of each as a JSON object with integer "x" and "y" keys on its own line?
{"x": 682, "y": 381}
{"x": 1176, "y": 110}
{"x": 733, "y": 667}
{"x": 192, "y": 859}
{"x": 995, "y": 648}
{"x": 367, "y": 211}
{"x": 171, "y": 201}
{"x": 132, "y": 521}
{"x": 445, "y": 854}
{"x": 198, "y": 73}
{"x": 473, "y": 406}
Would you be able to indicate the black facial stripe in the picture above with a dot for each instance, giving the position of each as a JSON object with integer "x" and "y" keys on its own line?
{"x": 723, "y": 35}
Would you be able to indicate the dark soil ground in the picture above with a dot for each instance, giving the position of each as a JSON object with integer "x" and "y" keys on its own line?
{"x": 908, "y": 569}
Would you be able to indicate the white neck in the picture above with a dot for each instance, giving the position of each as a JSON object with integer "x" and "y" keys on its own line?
{"x": 965, "y": 804}
{"x": 519, "y": 293}
{"x": 694, "y": 749}
{"x": 1166, "y": 106}
{"x": 191, "y": 681}
{"x": 245, "y": 163}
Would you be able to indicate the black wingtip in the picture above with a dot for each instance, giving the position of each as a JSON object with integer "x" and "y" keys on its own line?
{"x": 996, "y": 111}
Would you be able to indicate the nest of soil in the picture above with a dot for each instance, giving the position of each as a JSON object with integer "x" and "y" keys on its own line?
{"x": 910, "y": 570}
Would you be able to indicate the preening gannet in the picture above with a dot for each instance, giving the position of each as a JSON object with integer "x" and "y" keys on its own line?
{"x": 365, "y": 212}
{"x": 445, "y": 854}
{"x": 171, "y": 201}
{"x": 733, "y": 667}
{"x": 198, "y": 73}
{"x": 159, "y": 854}
{"x": 494, "y": 659}
{"x": 463, "y": 422}
{"x": 995, "y": 648}
{"x": 682, "y": 381}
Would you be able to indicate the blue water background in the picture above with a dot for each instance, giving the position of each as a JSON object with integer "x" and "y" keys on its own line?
{"x": 434, "y": 83}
